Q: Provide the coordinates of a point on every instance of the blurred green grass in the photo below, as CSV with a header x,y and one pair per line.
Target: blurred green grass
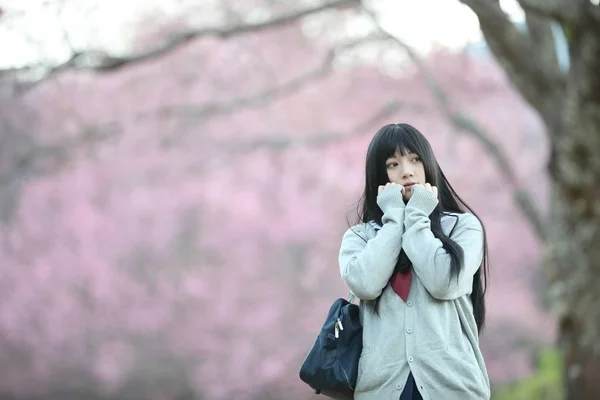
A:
x,y
546,383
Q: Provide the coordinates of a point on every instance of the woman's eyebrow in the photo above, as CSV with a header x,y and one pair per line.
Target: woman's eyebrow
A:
x,y
407,154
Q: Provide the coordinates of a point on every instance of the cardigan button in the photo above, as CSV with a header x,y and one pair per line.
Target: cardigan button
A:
x,y
399,386
409,303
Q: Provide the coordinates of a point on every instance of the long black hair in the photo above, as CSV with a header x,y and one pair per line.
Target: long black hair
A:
x,y
407,139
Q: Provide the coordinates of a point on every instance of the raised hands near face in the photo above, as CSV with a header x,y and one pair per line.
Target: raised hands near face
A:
x,y
387,185
408,190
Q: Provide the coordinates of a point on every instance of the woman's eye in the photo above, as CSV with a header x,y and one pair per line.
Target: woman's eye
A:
x,y
417,159
392,165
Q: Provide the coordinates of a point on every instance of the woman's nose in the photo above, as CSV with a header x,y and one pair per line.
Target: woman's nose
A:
x,y
407,172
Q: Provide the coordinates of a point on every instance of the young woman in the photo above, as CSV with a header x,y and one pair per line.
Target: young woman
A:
x,y
418,263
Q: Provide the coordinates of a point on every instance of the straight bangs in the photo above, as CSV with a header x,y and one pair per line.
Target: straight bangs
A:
x,y
395,138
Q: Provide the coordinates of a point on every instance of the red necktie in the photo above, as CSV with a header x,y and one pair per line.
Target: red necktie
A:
x,y
400,282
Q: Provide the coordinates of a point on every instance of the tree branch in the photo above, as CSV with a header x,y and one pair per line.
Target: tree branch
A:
x,y
518,55
262,97
280,142
102,61
564,11
44,159
543,43
209,110
464,123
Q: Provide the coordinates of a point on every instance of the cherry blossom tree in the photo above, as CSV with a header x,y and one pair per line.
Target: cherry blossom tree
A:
x,y
172,213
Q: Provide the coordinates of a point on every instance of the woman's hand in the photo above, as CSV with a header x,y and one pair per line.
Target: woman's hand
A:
x,y
407,192
431,189
390,196
382,187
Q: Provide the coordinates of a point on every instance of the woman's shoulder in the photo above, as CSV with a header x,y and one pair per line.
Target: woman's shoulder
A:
x,y
465,220
364,230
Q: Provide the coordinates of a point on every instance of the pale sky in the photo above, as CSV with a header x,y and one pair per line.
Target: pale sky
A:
x,y
451,24
33,30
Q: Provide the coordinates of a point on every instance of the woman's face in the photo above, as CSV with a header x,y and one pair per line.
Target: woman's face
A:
x,y
405,170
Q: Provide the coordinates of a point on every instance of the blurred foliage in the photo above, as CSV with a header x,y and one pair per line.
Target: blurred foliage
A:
x,y
544,384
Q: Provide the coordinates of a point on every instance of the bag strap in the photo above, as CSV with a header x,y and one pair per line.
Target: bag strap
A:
x,y
351,296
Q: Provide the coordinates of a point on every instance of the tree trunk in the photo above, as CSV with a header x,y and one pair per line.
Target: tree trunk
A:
x,y
574,229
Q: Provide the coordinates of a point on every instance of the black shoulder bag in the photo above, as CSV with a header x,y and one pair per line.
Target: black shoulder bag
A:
x,y
331,366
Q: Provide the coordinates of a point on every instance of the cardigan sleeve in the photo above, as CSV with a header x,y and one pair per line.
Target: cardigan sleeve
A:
x,y
431,262
366,264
